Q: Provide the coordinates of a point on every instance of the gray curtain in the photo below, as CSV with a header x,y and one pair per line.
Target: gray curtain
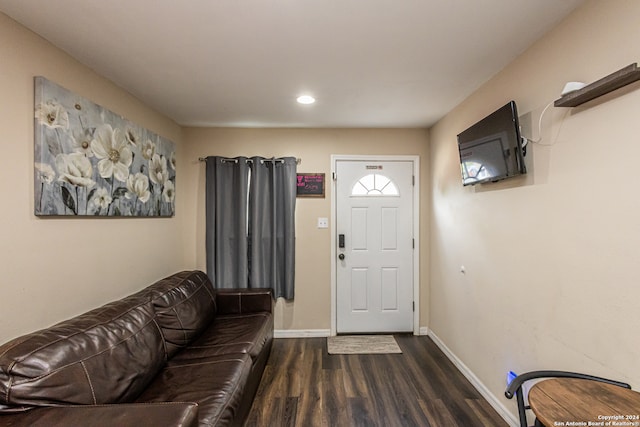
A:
x,y
250,223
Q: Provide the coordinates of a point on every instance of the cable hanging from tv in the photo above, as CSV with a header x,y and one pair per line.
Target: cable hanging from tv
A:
x,y
539,140
526,140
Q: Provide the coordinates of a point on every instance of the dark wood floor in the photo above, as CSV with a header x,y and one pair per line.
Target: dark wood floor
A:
x,y
304,386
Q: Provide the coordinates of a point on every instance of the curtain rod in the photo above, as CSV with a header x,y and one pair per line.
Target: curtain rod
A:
x,y
273,159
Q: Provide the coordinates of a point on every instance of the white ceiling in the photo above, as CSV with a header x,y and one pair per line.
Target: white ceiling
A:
x,y
369,63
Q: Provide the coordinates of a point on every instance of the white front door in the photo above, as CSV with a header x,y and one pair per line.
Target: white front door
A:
x,y
374,226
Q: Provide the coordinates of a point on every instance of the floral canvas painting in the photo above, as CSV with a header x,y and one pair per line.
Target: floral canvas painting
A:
x,y
90,161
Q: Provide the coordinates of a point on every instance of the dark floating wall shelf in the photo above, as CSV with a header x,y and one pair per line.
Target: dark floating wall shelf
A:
x,y
613,81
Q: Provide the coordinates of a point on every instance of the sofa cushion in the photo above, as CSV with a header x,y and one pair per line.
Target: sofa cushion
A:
x,y
244,300
244,333
107,355
184,304
216,384
174,414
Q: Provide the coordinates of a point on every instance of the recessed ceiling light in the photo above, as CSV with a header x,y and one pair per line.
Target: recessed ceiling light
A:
x,y
306,99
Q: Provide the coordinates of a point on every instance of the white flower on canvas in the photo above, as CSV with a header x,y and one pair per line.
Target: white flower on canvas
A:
x,y
75,169
102,199
169,192
81,142
158,169
45,172
172,160
52,115
138,186
148,149
132,136
111,147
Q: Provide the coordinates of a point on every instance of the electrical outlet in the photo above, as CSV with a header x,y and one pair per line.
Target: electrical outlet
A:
x,y
323,222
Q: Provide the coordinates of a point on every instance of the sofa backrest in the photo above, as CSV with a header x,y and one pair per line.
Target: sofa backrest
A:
x,y
107,355
184,304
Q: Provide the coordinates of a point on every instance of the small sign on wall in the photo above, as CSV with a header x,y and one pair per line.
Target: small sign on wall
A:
x,y
310,185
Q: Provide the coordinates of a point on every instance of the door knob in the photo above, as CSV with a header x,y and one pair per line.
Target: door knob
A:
x,y
341,257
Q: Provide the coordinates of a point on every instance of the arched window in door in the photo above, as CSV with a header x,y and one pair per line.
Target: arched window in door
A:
x,y
374,185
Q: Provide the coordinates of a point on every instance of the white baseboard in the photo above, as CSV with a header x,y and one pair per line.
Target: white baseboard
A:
x,y
475,381
301,333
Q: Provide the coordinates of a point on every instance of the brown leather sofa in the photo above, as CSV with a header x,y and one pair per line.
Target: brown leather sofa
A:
x,y
178,353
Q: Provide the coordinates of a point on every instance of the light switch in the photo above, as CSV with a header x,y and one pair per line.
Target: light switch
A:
x,y
323,222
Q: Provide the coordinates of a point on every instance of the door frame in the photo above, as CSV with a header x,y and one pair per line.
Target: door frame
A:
x,y
416,231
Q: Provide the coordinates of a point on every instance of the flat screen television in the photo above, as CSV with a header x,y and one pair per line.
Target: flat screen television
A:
x,y
492,149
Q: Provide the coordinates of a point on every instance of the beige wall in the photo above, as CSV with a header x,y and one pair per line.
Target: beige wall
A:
x,y
51,269
552,261
312,307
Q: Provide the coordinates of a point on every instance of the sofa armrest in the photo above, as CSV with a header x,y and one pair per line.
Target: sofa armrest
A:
x,y
121,414
243,300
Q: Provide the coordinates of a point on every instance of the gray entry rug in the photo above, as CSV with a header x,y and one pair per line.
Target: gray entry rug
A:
x,y
362,344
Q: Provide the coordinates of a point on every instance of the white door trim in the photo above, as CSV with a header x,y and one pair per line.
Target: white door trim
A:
x,y
416,232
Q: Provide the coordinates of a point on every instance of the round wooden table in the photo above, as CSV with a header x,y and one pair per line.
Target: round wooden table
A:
x,y
577,402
